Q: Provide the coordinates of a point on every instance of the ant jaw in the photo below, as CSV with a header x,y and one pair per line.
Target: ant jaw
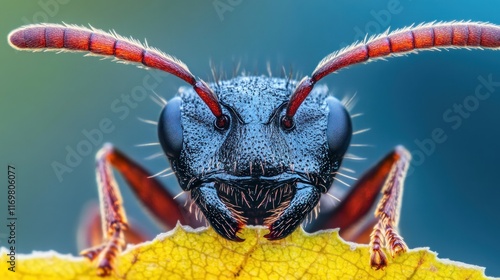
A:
x,y
221,218
304,200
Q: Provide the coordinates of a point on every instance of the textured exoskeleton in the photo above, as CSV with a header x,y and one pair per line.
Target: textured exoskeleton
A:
x,y
254,150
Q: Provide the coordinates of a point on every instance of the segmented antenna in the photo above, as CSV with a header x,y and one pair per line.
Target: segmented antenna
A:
x,y
399,42
72,38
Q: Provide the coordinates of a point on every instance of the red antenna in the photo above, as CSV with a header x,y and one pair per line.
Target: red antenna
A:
x,y
58,37
400,42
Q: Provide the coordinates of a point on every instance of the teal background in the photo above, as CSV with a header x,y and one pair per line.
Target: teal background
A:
x,y
451,201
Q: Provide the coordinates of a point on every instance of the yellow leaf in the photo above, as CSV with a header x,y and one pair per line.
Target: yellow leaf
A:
x,y
201,254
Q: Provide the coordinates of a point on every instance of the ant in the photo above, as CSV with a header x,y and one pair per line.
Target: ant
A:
x,y
255,150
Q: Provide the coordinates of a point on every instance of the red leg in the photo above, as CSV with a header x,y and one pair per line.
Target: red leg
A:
x,y
351,216
114,222
387,213
150,192
90,229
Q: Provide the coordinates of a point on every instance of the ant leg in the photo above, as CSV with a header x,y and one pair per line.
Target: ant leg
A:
x,y
387,213
90,232
114,221
387,176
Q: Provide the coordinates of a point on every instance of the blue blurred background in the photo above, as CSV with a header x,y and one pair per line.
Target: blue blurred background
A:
x,y
451,199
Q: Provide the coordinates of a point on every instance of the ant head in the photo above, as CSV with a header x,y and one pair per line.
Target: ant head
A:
x,y
254,141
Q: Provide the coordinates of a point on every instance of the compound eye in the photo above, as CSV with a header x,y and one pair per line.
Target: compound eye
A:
x,y
339,127
170,128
